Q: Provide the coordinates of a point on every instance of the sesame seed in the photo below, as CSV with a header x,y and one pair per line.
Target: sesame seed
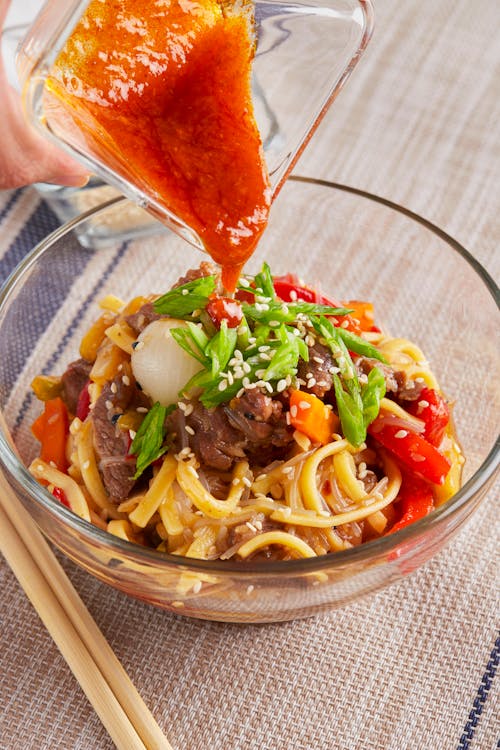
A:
x,y
185,292
240,393
183,453
304,405
311,382
142,410
197,587
250,589
293,411
222,385
108,404
264,348
401,434
322,383
125,380
246,367
344,324
281,385
189,430
235,482
251,527
247,482
114,388
417,457
293,295
423,404
309,340
265,357
274,323
319,360
258,525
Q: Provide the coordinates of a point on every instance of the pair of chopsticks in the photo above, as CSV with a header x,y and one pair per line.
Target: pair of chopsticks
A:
x,y
109,689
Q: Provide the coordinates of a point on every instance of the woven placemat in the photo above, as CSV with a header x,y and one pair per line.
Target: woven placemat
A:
x,y
413,666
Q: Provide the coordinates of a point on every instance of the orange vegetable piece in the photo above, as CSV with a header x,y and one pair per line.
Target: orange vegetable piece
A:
x,y
94,337
309,415
363,312
107,362
51,429
38,426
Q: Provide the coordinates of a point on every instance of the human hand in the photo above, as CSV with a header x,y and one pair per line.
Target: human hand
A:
x,y
25,156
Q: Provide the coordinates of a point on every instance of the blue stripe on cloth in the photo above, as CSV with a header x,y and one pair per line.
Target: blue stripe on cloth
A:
x,y
42,222
73,323
11,202
480,699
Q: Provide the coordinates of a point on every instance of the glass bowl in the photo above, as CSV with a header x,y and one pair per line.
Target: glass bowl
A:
x,y
296,43
425,287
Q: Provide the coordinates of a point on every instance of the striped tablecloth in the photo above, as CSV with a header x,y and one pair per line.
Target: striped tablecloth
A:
x,y
412,667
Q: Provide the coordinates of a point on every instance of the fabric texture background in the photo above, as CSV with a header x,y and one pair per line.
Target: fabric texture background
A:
x,y
412,667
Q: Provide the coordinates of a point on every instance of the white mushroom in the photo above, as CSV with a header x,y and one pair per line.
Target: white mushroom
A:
x,y
159,364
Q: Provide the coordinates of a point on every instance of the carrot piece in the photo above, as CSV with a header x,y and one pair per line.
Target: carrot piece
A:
x,y
38,426
54,434
93,338
363,312
309,415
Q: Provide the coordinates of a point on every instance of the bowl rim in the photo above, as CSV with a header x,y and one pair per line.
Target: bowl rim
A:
x,y
10,462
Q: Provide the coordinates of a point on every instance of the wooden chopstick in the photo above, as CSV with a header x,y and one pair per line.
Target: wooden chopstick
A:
x,y
88,654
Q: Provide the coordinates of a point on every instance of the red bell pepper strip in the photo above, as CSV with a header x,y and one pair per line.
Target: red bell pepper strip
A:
x,y
83,403
60,495
224,308
288,289
51,428
415,500
433,410
413,450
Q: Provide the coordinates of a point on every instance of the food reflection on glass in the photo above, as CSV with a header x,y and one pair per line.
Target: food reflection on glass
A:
x,y
273,425
162,93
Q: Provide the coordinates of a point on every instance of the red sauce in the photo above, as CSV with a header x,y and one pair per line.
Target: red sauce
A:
x,y
225,308
161,91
